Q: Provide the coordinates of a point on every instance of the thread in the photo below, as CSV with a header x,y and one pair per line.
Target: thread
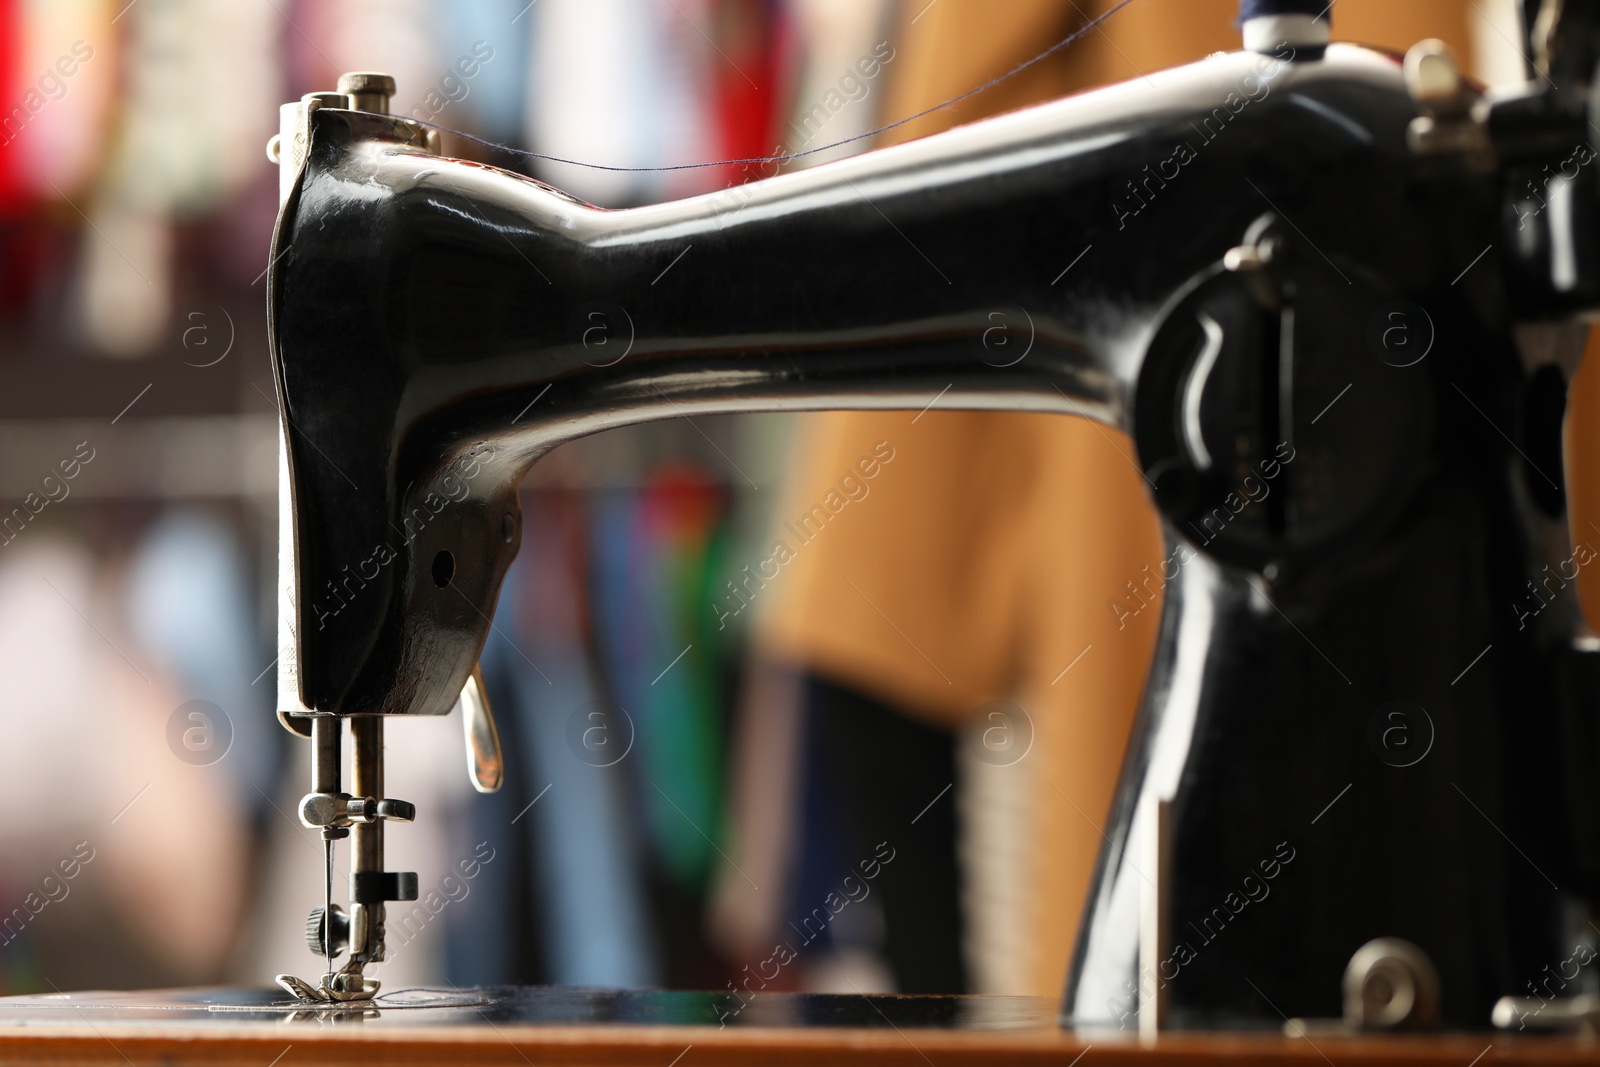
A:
x,y
788,156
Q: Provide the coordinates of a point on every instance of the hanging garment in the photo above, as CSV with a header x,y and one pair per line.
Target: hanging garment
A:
x,y
181,149
572,755
622,83
188,597
652,585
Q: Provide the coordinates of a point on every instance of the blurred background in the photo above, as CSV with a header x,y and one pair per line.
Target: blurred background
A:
x,y
879,763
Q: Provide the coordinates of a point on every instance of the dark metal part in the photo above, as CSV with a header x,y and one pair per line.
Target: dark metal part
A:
x,y
398,810
328,939
327,757
375,887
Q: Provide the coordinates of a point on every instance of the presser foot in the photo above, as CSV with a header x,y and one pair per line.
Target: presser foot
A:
x,y
345,987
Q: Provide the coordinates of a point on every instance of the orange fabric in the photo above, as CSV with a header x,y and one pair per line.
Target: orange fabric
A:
x,y
1582,465
983,560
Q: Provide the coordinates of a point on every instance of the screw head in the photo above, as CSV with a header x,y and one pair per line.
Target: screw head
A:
x,y
367,81
338,934
368,90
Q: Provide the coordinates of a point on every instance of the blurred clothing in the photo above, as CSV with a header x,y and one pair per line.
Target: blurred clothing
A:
x,y
1581,459
877,797
573,879
174,152
653,554
89,759
190,602
640,99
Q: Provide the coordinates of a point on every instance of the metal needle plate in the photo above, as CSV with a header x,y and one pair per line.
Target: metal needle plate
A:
x,y
511,1005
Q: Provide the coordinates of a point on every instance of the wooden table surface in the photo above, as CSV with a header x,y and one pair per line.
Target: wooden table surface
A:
x,y
550,1028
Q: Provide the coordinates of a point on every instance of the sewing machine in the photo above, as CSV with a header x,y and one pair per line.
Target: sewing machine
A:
x,y
1333,297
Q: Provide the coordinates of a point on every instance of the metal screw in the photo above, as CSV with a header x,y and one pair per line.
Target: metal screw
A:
x,y
369,90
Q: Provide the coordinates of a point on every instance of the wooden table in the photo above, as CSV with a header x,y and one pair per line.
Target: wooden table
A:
x,y
548,1028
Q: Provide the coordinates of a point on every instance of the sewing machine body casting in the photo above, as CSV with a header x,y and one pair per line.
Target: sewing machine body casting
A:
x,y
1353,521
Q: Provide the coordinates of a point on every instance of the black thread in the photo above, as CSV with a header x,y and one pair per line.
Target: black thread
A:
x,y
1013,72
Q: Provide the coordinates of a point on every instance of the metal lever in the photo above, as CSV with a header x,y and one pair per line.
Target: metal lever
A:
x,y
486,765
1580,1013
341,810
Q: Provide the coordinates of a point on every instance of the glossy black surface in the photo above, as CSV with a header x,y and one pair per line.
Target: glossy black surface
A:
x,y
487,1007
435,333
421,306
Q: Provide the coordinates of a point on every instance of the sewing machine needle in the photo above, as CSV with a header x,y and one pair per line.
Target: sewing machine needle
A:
x,y
327,903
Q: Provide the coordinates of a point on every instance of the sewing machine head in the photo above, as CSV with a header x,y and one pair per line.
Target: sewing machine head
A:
x,y
1327,293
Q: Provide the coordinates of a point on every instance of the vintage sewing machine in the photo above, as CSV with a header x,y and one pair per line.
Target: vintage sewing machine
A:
x,y
1334,297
